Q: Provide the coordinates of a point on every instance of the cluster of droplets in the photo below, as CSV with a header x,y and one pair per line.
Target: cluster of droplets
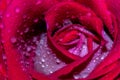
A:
x,y
97,58
83,50
25,48
80,51
45,59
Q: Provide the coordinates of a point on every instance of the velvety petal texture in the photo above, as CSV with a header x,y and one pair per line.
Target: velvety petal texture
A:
x,y
59,40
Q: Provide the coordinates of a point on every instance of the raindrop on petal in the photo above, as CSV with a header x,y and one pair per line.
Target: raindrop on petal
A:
x,y
17,10
36,20
13,39
43,60
7,15
43,65
38,2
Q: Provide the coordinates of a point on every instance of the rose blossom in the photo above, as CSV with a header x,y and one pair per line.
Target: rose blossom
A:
x,y
59,40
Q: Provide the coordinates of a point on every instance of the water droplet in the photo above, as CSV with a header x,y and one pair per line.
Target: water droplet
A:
x,y
67,22
36,20
3,41
57,61
84,76
1,26
7,15
21,33
39,62
56,24
24,16
28,49
88,69
1,16
27,54
26,30
43,60
23,69
21,62
76,76
44,56
13,39
42,66
88,14
17,10
67,12
97,58
51,72
72,16
48,53
38,2
47,65
4,57
102,58
94,60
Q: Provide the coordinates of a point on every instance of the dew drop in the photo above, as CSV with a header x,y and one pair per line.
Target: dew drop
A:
x,y
88,69
72,16
17,10
84,51
47,65
4,57
43,60
36,20
42,66
67,12
85,75
7,15
13,39
1,26
102,58
21,33
27,54
1,16
24,16
28,49
38,2
94,61
56,24
57,61
67,22
51,72
39,62
26,30
76,76
88,14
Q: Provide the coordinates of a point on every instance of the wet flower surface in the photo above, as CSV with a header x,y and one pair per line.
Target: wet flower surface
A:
x,y
59,40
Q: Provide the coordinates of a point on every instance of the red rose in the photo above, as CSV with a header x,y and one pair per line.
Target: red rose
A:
x,y
60,40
